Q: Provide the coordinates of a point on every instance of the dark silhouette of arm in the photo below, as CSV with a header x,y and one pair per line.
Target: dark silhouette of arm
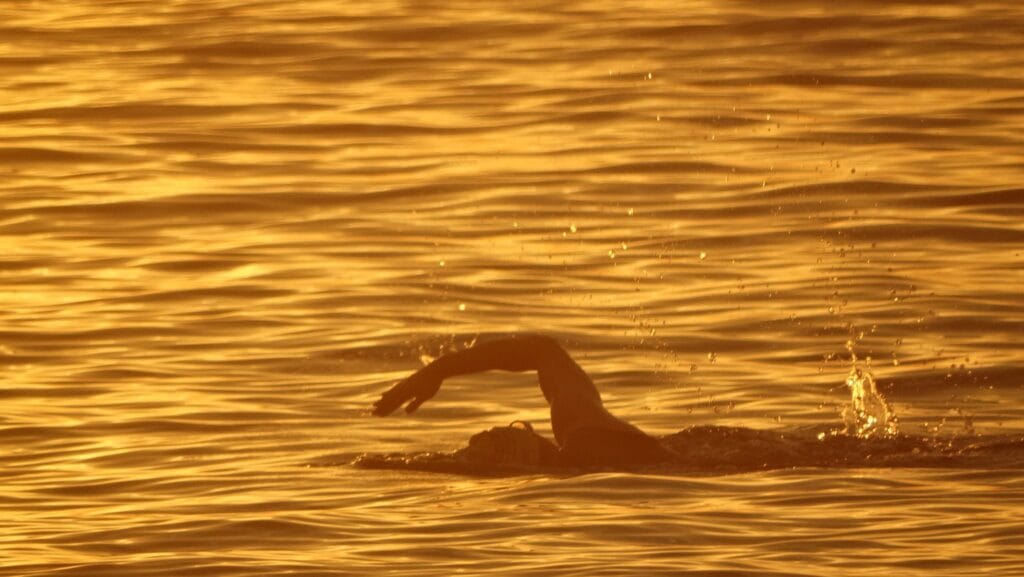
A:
x,y
560,377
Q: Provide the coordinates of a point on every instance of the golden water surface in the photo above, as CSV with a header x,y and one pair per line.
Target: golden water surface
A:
x,y
227,225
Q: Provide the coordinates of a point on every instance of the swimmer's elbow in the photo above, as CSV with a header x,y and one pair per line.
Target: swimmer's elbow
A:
x,y
528,351
538,341
541,350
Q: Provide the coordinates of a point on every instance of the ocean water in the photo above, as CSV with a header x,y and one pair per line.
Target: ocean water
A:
x,y
226,226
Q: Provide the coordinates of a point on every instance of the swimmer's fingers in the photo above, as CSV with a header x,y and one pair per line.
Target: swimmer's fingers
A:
x,y
415,404
393,398
424,387
386,404
415,390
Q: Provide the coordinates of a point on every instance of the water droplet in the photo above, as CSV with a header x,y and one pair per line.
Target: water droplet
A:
x,y
703,255
440,263
572,227
462,306
630,211
611,254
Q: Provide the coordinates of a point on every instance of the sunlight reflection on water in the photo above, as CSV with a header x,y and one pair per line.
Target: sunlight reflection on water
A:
x,y
226,226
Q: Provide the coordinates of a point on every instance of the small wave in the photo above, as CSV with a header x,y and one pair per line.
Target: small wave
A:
x,y
245,50
1001,377
29,155
904,81
121,112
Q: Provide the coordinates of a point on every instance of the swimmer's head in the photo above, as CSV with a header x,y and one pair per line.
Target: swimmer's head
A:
x,y
515,444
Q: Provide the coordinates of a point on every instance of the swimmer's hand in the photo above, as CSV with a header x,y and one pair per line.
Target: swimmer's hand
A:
x,y
416,390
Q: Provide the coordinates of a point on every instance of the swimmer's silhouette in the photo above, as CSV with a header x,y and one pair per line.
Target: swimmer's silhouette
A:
x,y
585,432
588,437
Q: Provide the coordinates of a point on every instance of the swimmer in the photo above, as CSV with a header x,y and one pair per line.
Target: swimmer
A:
x,y
586,434
588,437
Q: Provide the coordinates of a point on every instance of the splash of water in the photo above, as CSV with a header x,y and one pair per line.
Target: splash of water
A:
x,y
869,414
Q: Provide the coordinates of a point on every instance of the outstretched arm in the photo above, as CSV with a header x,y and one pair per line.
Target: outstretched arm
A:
x,y
560,377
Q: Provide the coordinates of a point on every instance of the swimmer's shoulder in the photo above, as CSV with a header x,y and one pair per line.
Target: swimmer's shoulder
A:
x,y
599,446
